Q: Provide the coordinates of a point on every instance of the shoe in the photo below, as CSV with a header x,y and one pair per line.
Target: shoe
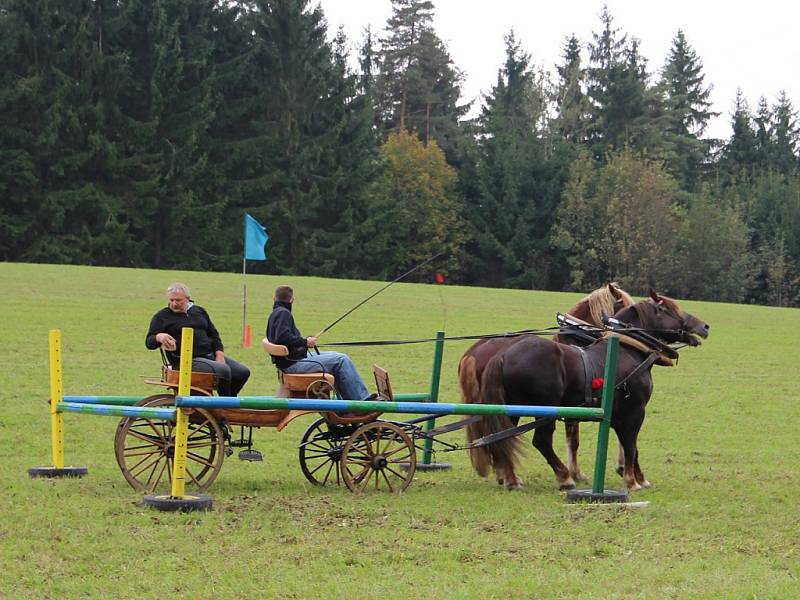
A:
x,y
371,397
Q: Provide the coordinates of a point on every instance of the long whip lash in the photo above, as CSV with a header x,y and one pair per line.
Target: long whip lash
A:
x,y
422,264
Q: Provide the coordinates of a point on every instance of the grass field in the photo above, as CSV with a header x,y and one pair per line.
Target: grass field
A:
x,y
719,444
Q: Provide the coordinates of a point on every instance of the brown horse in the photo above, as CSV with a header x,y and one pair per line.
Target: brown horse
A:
x,y
537,371
607,299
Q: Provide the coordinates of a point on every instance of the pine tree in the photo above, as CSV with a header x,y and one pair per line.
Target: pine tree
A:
x,y
617,88
572,105
419,85
295,138
61,135
687,104
785,136
740,153
519,187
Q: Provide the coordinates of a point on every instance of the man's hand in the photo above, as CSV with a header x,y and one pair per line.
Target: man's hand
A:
x,y
167,341
311,342
219,356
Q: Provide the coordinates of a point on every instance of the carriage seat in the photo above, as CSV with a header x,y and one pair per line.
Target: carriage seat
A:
x,y
299,385
202,383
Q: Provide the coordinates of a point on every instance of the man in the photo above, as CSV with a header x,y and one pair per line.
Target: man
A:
x,y
208,355
282,330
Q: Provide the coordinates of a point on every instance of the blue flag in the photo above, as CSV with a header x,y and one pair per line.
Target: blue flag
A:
x,y
255,237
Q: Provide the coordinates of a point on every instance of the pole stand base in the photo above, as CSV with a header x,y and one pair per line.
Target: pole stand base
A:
x,y
187,503
53,472
604,497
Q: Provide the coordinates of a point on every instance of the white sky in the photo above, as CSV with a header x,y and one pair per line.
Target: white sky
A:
x,y
754,46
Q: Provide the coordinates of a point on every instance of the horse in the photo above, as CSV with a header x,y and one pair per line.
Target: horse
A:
x,y
607,299
537,371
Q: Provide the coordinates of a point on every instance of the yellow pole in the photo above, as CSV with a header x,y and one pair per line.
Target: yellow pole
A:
x,y
182,423
56,396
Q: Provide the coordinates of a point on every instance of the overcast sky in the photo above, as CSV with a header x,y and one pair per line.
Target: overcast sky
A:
x,y
750,45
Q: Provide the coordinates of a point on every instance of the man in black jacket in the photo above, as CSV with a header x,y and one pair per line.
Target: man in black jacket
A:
x,y
208,354
282,330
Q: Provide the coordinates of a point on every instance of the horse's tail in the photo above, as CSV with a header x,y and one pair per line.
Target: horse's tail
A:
x,y
488,391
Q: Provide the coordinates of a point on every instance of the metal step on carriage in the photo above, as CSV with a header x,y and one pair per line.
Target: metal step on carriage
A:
x,y
362,450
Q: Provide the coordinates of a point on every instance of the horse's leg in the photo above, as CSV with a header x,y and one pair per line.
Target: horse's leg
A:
x,y
543,442
573,433
627,429
637,470
620,460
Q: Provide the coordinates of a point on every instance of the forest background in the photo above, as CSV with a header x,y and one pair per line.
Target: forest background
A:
x,y
138,132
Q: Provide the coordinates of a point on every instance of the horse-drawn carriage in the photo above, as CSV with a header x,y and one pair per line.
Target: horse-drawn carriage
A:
x,y
361,450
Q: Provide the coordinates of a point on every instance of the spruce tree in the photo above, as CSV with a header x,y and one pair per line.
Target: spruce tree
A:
x,y
686,99
785,136
572,105
740,154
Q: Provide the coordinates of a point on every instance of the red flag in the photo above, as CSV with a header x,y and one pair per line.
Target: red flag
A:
x,y
439,278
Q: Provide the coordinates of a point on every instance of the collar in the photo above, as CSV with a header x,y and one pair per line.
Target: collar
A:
x,y
281,304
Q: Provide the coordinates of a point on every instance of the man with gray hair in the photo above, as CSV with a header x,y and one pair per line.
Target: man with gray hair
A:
x,y
208,354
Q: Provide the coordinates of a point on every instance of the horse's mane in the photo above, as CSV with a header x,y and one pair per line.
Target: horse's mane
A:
x,y
598,302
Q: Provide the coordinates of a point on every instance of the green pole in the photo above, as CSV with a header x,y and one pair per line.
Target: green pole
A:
x,y
434,396
607,404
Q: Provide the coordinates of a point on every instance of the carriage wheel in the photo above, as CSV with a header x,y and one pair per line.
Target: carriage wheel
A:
x,y
378,456
320,453
319,389
145,448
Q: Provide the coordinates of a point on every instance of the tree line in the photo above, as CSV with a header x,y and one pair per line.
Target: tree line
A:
x,y
138,132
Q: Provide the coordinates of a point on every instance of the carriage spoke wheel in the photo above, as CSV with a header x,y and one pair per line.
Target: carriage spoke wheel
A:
x,y
319,389
378,456
145,449
320,453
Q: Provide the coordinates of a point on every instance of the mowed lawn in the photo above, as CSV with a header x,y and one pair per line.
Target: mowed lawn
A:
x,y
720,445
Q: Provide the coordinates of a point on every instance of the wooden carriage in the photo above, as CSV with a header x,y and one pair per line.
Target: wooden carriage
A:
x,y
336,447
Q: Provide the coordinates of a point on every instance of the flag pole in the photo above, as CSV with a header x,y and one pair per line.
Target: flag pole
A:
x,y
244,280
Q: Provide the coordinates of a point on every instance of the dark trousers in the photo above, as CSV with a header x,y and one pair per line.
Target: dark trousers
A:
x,y
232,375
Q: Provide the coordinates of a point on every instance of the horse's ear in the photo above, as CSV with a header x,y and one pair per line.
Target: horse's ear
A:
x,y
612,287
654,295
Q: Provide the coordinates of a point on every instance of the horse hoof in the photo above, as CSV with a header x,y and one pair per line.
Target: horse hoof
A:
x,y
635,487
499,482
645,484
580,477
566,486
514,486
620,471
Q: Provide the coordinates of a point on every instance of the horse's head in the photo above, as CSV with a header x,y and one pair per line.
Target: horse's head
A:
x,y
663,318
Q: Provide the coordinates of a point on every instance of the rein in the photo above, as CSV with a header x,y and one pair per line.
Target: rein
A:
x,y
510,334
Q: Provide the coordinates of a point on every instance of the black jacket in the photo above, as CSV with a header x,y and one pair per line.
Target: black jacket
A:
x,y
282,330
206,337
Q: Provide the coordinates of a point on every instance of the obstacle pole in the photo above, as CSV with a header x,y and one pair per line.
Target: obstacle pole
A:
x,y
178,500
427,453
56,417
598,493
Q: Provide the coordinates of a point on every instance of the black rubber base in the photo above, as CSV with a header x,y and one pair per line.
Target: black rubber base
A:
x,y
604,497
187,503
434,466
58,471
251,456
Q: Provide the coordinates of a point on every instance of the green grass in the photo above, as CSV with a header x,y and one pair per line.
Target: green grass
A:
x,y
719,444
